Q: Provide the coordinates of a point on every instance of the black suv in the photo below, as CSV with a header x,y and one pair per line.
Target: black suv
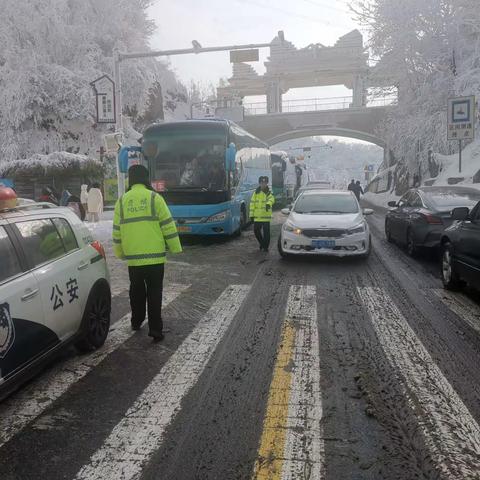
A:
x,y
461,249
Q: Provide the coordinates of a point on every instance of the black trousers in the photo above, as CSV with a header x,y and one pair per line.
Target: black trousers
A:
x,y
263,238
146,287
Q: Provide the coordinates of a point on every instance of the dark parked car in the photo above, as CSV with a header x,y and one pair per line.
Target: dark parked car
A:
x,y
461,249
422,214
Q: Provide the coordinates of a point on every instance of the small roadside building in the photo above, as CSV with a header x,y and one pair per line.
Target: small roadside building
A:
x,y
61,170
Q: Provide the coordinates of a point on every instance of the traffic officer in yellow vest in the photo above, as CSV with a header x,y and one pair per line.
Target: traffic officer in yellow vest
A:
x,y
261,206
143,229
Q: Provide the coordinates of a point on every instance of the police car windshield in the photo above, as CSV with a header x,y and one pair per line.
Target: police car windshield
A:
x,y
188,157
326,204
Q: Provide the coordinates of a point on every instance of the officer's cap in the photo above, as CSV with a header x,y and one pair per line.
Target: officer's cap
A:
x,y
263,179
137,174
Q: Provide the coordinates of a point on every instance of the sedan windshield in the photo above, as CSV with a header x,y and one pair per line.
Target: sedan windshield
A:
x,y
326,204
449,198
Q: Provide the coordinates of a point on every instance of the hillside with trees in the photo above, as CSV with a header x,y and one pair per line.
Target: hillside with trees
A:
x,y
432,48
52,50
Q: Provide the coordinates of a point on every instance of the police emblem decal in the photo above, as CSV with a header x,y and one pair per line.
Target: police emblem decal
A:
x,y
7,329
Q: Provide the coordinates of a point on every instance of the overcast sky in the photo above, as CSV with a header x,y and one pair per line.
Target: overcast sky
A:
x,y
230,22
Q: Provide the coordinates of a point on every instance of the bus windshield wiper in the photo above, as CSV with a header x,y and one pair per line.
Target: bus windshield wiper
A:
x,y
188,188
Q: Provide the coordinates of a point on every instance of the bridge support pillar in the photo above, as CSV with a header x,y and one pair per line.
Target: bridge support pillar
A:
x,y
359,92
274,97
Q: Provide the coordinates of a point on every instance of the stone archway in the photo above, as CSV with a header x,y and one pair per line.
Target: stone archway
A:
x,y
319,131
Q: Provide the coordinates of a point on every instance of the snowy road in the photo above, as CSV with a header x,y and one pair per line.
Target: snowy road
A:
x,y
304,369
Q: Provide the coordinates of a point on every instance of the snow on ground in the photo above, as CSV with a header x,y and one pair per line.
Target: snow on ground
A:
x,y
470,166
102,231
379,199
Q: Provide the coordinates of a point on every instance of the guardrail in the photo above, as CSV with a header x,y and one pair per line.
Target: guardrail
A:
x,y
317,105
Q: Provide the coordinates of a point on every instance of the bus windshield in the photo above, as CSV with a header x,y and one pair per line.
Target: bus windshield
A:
x,y
187,157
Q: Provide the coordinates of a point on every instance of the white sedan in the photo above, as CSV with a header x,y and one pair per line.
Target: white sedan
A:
x,y
325,222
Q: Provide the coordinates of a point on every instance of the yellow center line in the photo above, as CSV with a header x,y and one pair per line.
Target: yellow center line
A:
x,y
269,463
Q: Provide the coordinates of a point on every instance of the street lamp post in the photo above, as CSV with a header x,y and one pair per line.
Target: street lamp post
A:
x,y
118,117
119,57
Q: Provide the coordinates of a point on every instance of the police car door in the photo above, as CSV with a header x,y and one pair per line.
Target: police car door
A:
x,y
55,269
22,334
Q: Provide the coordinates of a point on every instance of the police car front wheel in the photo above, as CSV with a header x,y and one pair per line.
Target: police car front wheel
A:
x,y
96,320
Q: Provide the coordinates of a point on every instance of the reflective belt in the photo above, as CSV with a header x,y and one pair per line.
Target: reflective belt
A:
x,y
166,222
172,235
145,256
152,205
138,219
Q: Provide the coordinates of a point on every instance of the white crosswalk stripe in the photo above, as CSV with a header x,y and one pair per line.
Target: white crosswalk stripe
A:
x,y
304,447
449,430
140,433
460,304
25,406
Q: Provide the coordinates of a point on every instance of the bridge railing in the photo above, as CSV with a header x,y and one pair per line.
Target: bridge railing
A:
x,y
316,104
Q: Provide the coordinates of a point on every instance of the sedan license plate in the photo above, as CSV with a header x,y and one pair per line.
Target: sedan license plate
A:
x,y
323,243
181,229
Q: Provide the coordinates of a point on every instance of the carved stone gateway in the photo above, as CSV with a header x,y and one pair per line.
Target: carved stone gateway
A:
x,y
345,63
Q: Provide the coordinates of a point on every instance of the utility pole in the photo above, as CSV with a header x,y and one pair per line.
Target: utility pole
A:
x,y
118,117
119,57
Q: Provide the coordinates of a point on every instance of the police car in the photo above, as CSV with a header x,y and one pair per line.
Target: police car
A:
x,y
54,287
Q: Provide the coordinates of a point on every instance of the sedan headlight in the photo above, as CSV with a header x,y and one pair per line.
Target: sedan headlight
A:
x,y
290,227
219,217
360,228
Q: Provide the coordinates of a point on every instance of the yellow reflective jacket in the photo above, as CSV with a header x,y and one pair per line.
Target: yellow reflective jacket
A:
x,y
143,228
258,206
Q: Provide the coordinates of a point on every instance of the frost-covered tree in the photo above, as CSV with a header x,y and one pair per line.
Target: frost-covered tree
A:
x,y
51,51
432,49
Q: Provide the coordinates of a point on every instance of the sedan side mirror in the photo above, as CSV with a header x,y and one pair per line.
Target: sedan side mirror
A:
x,y
460,213
393,203
286,211
367,211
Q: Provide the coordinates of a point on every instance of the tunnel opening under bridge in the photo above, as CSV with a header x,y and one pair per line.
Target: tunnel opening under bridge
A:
x,y
333,155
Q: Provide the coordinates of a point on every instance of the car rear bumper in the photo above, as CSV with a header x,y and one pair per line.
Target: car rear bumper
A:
x,y
349,246
430,237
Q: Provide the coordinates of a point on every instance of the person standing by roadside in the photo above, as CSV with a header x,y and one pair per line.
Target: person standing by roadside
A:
x,y
84,197
261,206
357,189
95,203
143,229
351,185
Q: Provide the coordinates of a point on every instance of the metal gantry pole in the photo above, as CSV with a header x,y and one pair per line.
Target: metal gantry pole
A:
x,y
460,156
118,117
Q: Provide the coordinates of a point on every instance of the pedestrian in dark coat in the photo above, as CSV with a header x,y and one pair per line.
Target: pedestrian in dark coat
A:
x,y
357,190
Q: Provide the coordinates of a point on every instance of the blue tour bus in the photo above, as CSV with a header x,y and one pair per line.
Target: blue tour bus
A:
x,y
207,171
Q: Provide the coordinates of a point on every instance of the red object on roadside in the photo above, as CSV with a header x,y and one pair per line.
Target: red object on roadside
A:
x,y
8,198
99,248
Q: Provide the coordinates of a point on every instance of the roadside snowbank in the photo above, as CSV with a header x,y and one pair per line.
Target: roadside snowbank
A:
x,y
379,199
53,160
470,167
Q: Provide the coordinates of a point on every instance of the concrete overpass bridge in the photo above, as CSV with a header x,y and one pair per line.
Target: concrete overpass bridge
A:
x,y
313,117
277,120
360,123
